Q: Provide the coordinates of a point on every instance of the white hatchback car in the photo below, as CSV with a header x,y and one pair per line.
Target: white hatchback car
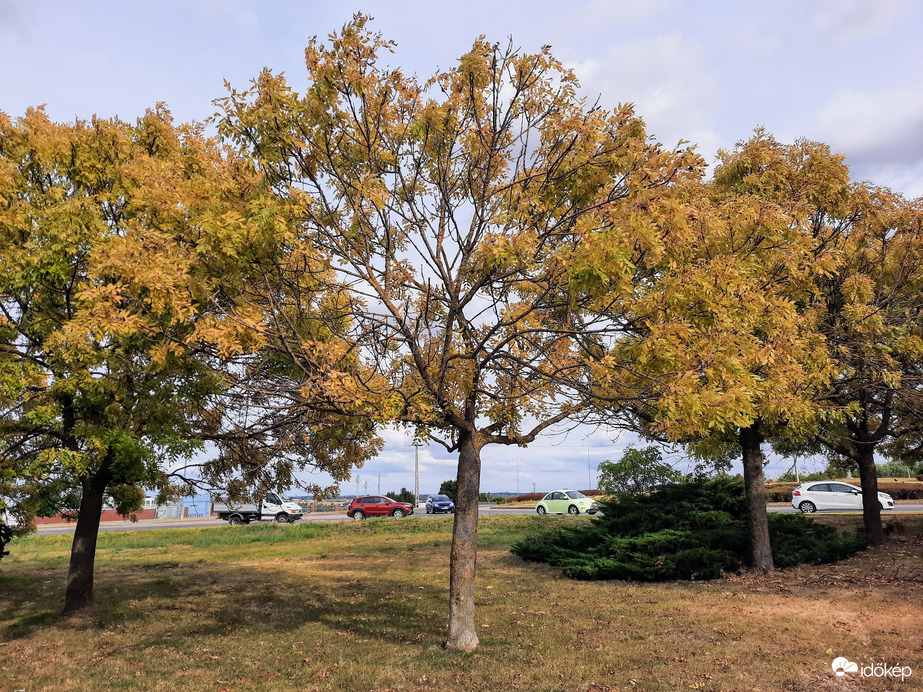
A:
x,y
810,497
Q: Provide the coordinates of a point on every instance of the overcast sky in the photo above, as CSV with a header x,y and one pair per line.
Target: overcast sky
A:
x,y
845,72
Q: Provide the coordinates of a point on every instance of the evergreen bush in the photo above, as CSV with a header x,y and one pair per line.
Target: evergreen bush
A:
x,y
691,530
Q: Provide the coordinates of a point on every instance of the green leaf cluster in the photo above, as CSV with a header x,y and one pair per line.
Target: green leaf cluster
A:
x,y
403,496
638,471
450,489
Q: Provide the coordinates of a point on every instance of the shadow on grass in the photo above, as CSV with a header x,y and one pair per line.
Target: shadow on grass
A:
x,y
362,594
215,601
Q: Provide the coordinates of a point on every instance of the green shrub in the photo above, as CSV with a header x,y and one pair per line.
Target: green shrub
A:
x,y
691,530
638,471
450,488
799,539
404,496
893,469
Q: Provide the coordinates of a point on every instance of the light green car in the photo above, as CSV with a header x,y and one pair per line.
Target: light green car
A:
x,y
566,502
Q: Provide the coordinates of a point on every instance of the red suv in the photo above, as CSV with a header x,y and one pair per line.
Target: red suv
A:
x,y
377,506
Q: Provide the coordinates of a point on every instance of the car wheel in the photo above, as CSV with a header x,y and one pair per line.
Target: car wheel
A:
x,y
281,518
573,511
358,515
807,507
398,514
235,521
540,509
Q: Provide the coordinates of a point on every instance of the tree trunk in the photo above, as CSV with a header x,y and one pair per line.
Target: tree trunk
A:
x,y
760,553
462,632
871,508
79,593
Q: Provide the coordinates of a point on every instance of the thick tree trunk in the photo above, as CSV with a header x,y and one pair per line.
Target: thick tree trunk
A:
x,y
79,593
871,508
760,553
462,631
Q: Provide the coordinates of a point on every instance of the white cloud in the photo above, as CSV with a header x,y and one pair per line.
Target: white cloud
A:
x,y
880,132
906,179
667,79
752,40
863,122
239,11
596,13
14,16
843,21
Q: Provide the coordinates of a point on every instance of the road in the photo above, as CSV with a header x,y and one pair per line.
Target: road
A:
x,y
484,509
903,507
200,522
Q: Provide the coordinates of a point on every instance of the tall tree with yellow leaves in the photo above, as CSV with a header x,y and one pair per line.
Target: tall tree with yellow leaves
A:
x,y
873,326
118,242
730,336
481,228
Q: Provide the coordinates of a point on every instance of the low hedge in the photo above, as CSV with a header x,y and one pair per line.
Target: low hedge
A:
x,y
691,530
902,491
780,492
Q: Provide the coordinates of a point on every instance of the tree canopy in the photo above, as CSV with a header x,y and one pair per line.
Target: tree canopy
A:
x,y
480,227
873,327
731,338
639,471
118,245
478,257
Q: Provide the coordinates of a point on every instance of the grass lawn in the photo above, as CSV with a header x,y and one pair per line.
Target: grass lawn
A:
x,y
363,606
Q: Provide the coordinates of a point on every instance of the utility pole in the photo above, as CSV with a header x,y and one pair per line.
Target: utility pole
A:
x,y
589,479
416,473
517,476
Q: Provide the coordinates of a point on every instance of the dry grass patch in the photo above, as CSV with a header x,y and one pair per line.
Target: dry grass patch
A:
x,y
363,607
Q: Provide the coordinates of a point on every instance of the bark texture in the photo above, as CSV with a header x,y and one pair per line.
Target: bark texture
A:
x,y
871,507
760,553
79,593
463,559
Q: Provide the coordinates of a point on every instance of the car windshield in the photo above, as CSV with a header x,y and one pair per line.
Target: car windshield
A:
x,y
574,494
441,498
